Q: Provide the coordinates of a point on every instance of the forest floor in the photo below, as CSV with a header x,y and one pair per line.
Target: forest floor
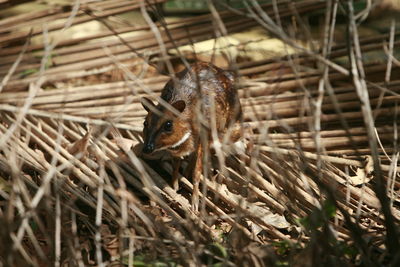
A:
x,y
316,184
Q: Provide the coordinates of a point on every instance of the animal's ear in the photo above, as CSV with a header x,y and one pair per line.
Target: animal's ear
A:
x,y
179,105
147,103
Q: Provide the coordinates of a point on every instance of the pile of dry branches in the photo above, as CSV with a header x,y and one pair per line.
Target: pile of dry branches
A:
x,y
319,186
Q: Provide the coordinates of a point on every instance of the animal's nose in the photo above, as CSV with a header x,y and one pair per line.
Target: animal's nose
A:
x,y
148,148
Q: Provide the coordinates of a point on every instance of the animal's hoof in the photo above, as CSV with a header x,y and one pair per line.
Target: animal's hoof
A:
x,y
175,185
195,208
195,203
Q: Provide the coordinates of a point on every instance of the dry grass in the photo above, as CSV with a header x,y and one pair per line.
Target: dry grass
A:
x,y
317,184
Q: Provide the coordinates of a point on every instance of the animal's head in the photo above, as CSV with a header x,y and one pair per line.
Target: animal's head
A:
x,y
164,128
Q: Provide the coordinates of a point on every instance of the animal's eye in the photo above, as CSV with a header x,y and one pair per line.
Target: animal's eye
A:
x,y
168,126
145,123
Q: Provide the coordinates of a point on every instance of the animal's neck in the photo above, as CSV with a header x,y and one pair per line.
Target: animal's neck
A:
x,y
182,140
183,147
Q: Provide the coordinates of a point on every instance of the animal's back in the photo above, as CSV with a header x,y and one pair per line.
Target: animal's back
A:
x,y
216,86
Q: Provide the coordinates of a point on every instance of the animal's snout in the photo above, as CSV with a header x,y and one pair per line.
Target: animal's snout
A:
x,y
148,148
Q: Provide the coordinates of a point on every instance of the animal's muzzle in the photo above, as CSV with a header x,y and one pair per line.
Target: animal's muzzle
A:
x,y
148,148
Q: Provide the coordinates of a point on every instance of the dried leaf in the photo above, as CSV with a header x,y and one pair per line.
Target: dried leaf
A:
x,y
123,143
40,155
112,247
363,175
254,228
97,154
80,146
268,217
4,185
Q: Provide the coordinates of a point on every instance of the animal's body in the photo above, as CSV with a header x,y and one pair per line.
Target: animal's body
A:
x,y
174,125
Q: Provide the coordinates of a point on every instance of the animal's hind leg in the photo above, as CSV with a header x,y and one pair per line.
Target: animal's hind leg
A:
x,y
239,131
235,132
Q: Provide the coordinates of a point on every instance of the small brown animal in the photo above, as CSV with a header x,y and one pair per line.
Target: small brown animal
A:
x,y
174,123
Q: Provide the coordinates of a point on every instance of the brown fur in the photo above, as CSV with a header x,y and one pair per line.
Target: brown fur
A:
x,y
194,89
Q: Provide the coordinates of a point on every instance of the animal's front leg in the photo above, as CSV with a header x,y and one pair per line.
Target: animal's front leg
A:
x,y
196,178
176,164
